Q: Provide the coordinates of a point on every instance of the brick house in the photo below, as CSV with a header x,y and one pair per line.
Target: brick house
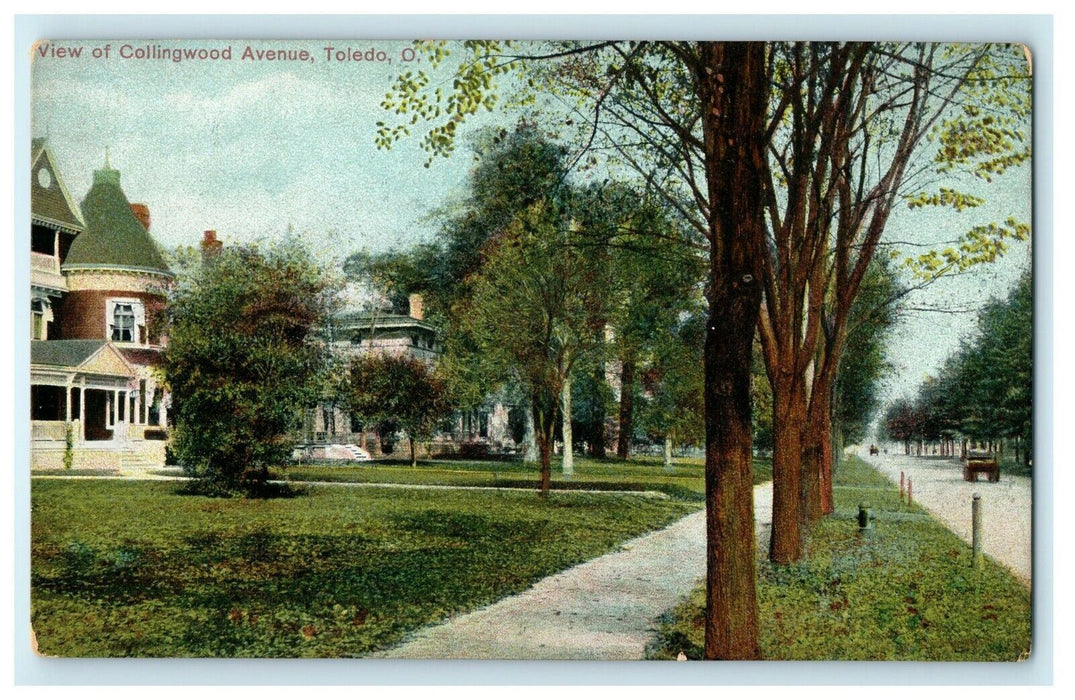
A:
x,y
98,286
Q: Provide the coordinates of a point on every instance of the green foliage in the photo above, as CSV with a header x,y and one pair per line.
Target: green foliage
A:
x,y
68,446
985,390
538,305
908,592
243,360
399,390
342,572
863,363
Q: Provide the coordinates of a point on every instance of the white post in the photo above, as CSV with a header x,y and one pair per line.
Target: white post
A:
x,y
82,411
569,451
531,454
67,401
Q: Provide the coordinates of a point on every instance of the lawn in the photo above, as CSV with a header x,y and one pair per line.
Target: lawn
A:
x,y
685,481
907,592
133,569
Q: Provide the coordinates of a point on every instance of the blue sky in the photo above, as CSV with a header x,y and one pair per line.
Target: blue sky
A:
x,y
253,149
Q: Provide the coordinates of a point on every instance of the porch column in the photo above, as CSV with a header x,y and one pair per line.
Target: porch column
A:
x,y
115,408
82,411
67,401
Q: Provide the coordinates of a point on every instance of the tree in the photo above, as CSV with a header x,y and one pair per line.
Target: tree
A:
x,y
863,363
727,84
829,152
400,390
535,308
243,360
675,385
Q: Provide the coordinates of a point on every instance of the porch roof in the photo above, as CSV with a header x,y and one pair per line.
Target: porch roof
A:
x,y
85,356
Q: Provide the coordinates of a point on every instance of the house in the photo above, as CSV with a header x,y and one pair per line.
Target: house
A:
x,y
353,333
98,288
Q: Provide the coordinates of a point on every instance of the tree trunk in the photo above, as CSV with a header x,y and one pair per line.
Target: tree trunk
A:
x,y
544,418
414,455
627,407
668,453
789,415
568,466
733,89
597,447
530,451
817,456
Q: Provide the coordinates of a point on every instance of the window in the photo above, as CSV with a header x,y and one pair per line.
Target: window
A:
x,y
37,319
123,323
126,321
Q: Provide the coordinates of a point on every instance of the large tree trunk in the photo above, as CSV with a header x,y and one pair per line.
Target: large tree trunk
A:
x,y
789,416
414,455
733,88
568,466
627,407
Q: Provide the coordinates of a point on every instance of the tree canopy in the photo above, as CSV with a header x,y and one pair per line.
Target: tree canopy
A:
x,y
243,360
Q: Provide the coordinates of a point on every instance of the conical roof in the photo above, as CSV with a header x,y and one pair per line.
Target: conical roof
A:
x,y
114,238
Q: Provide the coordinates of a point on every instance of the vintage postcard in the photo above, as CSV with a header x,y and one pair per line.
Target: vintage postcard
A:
x,y
531,349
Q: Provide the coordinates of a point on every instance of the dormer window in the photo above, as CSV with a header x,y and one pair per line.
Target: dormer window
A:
x,y
126,321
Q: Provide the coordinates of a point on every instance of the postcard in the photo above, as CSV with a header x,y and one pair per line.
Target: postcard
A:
x,y
596,350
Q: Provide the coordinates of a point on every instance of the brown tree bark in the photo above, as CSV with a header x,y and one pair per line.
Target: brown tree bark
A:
x,y
732,83
627,407
544,414
789,416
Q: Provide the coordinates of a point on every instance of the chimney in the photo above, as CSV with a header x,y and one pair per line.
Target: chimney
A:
x,y
141,212
210,245
417,311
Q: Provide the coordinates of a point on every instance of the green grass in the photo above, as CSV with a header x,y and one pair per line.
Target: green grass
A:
x,y
908,592
132,569
685,481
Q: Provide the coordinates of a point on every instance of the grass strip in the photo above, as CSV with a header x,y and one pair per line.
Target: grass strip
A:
x,y
684,481
906,592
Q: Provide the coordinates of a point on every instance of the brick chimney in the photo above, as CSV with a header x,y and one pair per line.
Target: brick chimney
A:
x,y
210,245
417,310
141,212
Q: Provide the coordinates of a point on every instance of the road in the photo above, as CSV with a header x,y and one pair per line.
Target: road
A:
x,y
938,486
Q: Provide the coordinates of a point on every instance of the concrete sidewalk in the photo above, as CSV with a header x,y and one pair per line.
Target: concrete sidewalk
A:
x,y
606,608
940,489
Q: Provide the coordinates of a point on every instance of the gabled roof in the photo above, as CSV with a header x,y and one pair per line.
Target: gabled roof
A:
x,y
89,356
51,205
114,238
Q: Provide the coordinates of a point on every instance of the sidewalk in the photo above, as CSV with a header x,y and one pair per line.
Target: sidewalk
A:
x,y
606,608
940,489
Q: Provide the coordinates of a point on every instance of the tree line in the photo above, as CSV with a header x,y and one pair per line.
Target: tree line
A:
x,y
983,394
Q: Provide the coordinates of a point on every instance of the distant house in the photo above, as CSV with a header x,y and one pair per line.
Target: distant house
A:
x,y
354,333
98,287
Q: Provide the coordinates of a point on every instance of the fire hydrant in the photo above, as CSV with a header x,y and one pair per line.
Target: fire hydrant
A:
x,y
866,518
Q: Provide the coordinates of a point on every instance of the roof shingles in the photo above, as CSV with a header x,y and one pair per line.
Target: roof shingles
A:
x,y
114,238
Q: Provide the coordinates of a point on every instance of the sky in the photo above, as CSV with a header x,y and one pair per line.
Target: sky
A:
x,y
257,148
